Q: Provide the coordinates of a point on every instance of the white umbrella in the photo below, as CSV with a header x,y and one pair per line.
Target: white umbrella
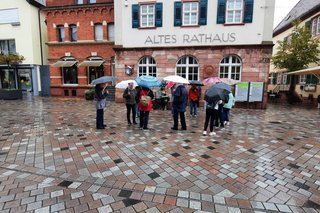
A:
x,y
124,84
176,79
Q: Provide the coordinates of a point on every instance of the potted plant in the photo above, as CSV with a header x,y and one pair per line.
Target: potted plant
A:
x,y
10,94
89,94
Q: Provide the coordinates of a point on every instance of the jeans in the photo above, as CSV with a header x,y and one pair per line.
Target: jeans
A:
x,y
144,118
226,113
193,107
131,107
210,116
182,120
137,110
99,119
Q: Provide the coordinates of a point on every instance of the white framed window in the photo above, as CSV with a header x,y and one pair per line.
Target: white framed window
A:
x,y
279,78
230,67
314,27
234,11
147,66
284,79
79,1
302,79
147,15
188,67
92,1
110,31
190,13
98,32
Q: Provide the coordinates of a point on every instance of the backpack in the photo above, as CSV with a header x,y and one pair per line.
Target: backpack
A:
x,y
145,100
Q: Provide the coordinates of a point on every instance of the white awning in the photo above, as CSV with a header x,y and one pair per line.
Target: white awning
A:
x,y
91,63
64,63
308,71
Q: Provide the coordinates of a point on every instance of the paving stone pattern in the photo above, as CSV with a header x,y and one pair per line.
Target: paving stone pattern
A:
x,y
52,159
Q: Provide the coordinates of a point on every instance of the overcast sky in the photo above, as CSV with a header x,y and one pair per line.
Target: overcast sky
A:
x,y
283,7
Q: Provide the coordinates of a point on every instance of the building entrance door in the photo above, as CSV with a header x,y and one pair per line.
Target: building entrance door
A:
x,y
25,79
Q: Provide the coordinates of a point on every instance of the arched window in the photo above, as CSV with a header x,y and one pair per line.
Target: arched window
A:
x,y
188,67
230,67
147,66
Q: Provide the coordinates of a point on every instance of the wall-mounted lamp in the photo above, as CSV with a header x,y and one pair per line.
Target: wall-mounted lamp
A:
x,y
128,70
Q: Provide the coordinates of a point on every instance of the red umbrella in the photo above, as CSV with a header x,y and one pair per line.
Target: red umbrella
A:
x,y
169,85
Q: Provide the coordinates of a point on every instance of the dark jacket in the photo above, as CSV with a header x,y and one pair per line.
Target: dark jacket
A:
x,y
129,98
180,98
100,97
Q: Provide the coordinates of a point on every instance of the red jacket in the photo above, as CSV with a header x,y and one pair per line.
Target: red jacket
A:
x,y
193,94
149,93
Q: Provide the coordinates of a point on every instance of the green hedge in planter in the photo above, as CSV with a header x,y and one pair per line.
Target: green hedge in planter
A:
x,y
89,94
10,94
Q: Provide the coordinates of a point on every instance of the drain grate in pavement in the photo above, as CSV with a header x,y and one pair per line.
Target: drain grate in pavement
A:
x,y
130,202
295,166
302,185
64,148
153,175
65,183
311,204
118,160
125,193
175,154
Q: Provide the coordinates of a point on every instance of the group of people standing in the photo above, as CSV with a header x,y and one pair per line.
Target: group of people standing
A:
x,y
140,99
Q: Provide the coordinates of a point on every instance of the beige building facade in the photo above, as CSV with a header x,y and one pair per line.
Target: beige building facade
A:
x,y
23,32
194,39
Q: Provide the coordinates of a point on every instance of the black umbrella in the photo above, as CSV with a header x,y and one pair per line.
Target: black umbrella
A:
x,y
214,94
197,83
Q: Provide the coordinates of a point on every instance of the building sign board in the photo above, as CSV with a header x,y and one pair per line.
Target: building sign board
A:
x,y
201,38
241,91
256,91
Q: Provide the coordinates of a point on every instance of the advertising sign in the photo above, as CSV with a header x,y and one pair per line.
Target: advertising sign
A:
x,y
241,93
256,91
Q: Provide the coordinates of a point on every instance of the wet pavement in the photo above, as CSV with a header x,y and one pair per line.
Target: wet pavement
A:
x,y
52,159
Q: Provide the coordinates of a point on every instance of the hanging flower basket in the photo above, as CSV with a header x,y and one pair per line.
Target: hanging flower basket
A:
x,y
11,59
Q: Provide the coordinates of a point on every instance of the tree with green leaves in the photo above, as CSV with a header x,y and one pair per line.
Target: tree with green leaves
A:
x,y
296,53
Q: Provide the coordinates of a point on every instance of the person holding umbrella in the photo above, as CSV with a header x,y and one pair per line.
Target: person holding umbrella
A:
x,y
144,100
100,97
129,95
193,97
179,103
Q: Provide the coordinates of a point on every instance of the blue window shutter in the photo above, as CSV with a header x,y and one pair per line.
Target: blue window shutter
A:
x,y
203,12
158,15
135,16
177,13
221,13
248,11
307,25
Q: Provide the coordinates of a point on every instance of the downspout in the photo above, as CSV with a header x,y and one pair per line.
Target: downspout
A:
x,y
40,34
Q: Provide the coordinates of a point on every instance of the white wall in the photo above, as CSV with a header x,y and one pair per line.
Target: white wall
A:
x,y
26,35
251,33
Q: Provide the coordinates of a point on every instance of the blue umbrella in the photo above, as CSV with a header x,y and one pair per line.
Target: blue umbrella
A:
x,y
222,86
148,81
103,79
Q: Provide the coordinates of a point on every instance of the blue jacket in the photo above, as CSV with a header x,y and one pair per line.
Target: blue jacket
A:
x,y
180,98
231,101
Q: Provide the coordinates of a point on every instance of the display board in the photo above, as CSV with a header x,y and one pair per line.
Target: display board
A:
x,y
256,91
241,92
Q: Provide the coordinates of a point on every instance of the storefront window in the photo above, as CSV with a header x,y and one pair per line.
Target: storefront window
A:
x,y
230,67
70,75
147,66
25,79
95,72
7,77
188,67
